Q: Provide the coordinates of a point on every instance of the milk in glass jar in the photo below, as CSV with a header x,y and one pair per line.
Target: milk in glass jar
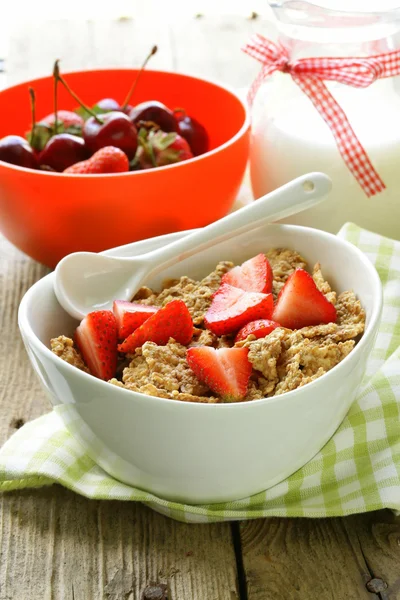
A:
x,y
289,135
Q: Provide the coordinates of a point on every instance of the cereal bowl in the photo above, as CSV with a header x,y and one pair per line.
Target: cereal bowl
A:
x,y
198,453
48,215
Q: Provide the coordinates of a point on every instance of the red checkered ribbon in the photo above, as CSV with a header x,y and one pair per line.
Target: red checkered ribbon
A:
x,y
309,74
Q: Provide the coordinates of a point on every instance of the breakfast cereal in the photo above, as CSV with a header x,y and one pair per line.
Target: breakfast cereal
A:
x,y
285,359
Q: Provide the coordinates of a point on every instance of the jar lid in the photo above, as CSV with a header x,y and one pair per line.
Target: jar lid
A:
x,y
339,21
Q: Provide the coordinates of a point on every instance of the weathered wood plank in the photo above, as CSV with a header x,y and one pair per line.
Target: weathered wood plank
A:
x,y
328,559
20,393
53,542
379,538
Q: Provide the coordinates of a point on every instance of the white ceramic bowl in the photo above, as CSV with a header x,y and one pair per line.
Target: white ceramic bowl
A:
x,y
206,452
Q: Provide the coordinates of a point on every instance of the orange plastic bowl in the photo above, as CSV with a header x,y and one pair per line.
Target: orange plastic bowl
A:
x,y
48,215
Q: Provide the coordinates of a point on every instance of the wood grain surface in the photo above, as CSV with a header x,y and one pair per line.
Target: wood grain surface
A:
x,y
55,545
327,559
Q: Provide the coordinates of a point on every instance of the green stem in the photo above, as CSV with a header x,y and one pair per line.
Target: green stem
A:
x,y
61,79
33,112
134,84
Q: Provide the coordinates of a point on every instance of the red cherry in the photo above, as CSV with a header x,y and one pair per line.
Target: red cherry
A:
x,y
156,112
62,151
115,129
15,150
108,104
193,132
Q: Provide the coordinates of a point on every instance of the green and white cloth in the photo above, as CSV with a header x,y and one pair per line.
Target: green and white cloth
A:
x,y
357,471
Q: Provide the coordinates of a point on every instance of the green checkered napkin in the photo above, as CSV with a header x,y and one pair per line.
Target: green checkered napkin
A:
x,y
357,471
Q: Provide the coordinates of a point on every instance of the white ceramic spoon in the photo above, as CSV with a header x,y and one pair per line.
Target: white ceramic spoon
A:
x,y
86,281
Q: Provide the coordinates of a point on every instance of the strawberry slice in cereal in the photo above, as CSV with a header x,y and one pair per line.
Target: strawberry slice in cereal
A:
x,y
171,321
130,315
96,338
254,275
301,304
232,308
259,329
226,371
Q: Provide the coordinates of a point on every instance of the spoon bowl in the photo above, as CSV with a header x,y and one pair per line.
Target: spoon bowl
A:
x,y
86,281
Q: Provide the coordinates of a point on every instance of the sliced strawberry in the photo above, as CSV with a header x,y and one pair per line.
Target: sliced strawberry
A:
x,y
226,371
173,320
300,303
254,275
232,308
259,329
96,338
130,315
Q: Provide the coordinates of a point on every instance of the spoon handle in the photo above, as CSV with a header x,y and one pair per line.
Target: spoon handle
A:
x,y
297,195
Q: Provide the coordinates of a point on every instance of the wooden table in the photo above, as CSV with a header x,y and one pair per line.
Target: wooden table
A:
x,y
58,546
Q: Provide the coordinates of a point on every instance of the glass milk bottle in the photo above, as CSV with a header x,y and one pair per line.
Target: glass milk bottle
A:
x,y
290,138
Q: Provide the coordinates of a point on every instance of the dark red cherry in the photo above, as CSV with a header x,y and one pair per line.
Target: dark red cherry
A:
x,y
116,129
108,104
62,151
193,132
15,150
155,112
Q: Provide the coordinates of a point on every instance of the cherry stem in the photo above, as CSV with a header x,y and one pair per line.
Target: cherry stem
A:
x,y
134,84
33,112
60,78
56,72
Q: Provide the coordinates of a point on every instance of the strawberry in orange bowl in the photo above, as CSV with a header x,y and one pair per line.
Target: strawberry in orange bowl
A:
x,y
105,160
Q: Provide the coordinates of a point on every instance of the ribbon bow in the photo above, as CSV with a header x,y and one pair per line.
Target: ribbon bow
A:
x,y
309,74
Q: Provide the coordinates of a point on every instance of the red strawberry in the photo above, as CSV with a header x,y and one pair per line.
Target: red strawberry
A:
x,y
173,320
157,149
66,117
130,315
105,160
226,371
259,329
254,275
96,338
232,308
300,303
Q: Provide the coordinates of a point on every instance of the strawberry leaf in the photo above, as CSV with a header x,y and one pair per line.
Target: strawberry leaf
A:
x,y
73,130
162,141
142,136
134,165
82,112
41,135
170,156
